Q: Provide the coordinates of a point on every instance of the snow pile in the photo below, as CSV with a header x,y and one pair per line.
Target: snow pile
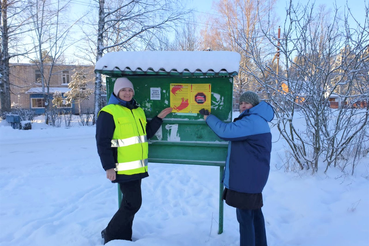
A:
x,y
53,191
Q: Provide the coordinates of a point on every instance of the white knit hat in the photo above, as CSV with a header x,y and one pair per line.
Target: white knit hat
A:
x,y
121,83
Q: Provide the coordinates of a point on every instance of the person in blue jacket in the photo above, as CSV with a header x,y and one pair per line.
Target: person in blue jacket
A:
x,y
121,137
247,165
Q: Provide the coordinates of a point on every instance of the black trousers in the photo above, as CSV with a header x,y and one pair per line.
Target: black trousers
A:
x,y
120,226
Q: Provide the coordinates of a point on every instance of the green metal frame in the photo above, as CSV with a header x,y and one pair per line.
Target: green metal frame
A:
x,y
199,142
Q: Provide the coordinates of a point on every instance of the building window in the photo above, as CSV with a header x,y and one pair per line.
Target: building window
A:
x,y
37,103
65,77
38,76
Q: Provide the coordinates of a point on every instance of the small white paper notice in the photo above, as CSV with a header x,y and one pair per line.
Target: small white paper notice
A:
x,y
155,93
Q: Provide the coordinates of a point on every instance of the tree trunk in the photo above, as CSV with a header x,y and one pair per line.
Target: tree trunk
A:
x,y
5,101
100,46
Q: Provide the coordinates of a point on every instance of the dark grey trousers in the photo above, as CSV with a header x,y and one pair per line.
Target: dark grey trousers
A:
x,y
252,227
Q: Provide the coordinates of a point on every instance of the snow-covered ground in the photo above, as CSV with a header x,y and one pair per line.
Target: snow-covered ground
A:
x,y
53,191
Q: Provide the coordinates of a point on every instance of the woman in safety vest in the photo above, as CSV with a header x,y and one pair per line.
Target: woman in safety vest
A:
x,y
121,136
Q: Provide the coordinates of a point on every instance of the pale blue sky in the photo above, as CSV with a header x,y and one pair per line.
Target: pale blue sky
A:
x,y
204,7
357,6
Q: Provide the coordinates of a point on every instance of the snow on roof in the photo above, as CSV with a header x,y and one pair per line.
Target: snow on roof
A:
x,y
169,61
51,90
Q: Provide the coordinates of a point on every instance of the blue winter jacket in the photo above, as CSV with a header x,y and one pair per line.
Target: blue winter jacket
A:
x,y
248,160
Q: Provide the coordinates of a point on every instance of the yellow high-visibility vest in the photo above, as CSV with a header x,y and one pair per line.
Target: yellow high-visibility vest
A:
x,y
129,138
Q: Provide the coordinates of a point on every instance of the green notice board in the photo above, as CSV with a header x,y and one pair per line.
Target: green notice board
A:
x,y
184,137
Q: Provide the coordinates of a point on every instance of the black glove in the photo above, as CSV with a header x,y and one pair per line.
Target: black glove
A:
x,y
204,111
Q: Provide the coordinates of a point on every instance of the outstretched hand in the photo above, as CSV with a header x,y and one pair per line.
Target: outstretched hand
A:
x,y
204,112
164,112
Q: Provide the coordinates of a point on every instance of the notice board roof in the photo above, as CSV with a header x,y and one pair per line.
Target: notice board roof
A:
x,y
173,63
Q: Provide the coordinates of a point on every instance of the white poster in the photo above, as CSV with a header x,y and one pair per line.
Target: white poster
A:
x,y
155,93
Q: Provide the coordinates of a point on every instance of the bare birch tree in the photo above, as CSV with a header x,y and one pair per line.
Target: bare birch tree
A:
x,y
132,25
12,28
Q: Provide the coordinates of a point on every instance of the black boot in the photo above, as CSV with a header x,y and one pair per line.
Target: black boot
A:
x,y
104,236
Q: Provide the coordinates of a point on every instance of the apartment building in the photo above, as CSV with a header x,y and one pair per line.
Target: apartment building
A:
x,y
28,90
